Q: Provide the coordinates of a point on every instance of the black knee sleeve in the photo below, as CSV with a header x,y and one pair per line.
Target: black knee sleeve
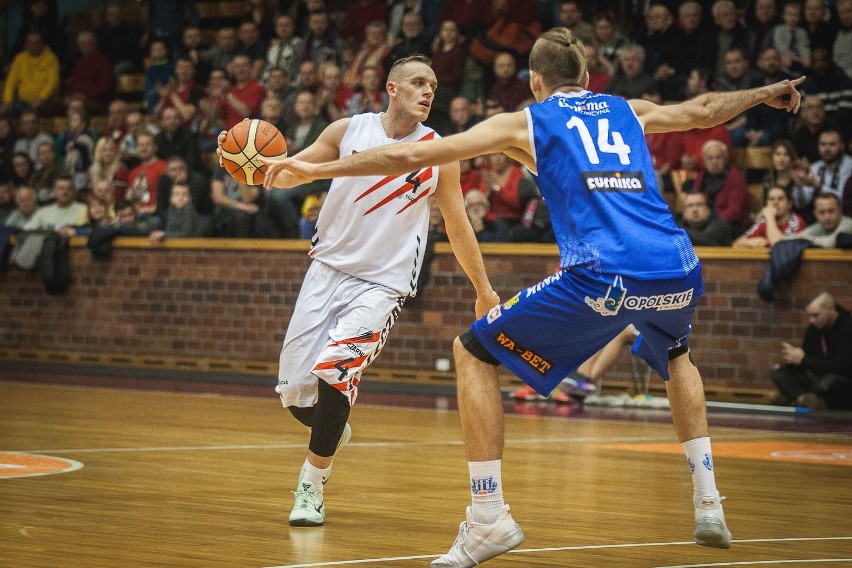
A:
x,y
303,415
472,344
330,415
676,352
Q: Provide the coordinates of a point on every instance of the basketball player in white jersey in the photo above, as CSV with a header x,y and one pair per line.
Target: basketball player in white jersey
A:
x,y
367,252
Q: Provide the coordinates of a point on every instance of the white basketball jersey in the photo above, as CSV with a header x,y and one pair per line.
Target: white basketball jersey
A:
x,y
374,227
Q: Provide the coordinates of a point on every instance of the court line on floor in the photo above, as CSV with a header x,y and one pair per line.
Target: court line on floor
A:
x,y
756,562
566,549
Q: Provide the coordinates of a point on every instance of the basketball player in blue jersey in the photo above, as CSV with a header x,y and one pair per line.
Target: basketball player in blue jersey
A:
x,y
623,261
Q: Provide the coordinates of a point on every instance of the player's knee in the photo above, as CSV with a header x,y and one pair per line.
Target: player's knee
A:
x,y
305,415
467,346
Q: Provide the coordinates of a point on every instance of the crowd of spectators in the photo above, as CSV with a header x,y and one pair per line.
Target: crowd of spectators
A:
x,y
302,64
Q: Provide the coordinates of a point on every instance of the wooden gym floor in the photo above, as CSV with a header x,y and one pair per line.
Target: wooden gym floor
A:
x,y
203,480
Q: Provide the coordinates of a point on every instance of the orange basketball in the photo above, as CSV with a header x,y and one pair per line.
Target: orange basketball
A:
x,y
245,143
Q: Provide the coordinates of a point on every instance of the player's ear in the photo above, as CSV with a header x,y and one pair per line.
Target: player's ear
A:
x,y
585,81
390,87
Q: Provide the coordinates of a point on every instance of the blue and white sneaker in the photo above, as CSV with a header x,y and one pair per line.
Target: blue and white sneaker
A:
x,y
577,385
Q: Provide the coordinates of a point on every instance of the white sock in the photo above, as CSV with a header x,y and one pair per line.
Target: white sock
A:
x,y
486,490
313,475
700,460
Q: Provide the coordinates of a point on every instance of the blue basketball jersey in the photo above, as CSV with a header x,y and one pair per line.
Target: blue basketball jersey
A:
x,y
597,179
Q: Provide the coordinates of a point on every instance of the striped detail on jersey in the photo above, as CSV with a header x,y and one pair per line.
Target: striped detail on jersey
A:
x,y
367,337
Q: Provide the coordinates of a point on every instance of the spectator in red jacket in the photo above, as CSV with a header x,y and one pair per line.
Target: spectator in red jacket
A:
x,y
244,98
724,185
91,79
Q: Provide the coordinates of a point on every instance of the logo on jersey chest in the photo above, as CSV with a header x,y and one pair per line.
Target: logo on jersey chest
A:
x,y
630,182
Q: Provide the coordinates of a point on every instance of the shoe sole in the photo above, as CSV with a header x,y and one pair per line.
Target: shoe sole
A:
x,y
305,523
713,539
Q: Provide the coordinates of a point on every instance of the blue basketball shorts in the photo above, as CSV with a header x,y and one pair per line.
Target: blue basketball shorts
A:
x,y
548,330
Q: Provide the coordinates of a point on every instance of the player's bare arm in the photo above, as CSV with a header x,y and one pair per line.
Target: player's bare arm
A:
x,y
448,197
711,109
500,133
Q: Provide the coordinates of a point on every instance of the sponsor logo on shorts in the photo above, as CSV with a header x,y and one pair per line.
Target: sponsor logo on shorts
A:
x,y
483,485
611,302
493,314
541,285
630,182
661,302
533,359
507,305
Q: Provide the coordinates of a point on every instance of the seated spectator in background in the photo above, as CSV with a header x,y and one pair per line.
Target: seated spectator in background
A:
x,y
278,87
272,111
371,95
22,169
285,48
26,205
830,173
7,145
179,173
120,41
508,90
211,115
30,136
693,142
410,41
91,79
308,125
737,74
598,77
182,220
766,125
792,40
705,228
449,59
250,43
116,127
360,14
830,222
631,81
61,214
157,75
476,206
660,42
102,190
33,79
761,20
729,32
131,222
788,172
775,222
262,14
571,17
193,48
310,213
107,167
321,43
44,178
665,149
469,176
834,87
223,52
820,28
225,193
273,218
692,45
332,95
76,147
143,179
181,92
98,213
42,17
724,185
508,189
7,201
841,51
245,95
174,139
806,137
609,42
461,115
818,374
370,54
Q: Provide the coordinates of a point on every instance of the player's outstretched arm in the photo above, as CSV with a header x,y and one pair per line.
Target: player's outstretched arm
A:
x,y
710,109
448,198
497,134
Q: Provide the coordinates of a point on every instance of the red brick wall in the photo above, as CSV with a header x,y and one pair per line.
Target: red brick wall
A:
x,y
233,302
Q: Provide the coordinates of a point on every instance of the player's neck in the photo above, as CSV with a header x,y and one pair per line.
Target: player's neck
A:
x,y
397,125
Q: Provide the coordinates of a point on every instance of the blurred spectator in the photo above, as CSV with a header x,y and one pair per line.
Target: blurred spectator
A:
x,y
61,214
30,135
91,79
766,125
471,16
98,213
371,97
7,146
103,191
42,17
250,43
44,177
737,74
285,49
411,40
107,167
310,213
116,127
303,10
729,32
812,118
693,43
245,95
821,30
842,49
631,81
223,52
262,14
120,40
830,173
7,201
818,374
370,54
76,146
693,142
724,185
308,125
166,20
174,139
789,173
26,204
332,95
508,190
193,48
361,13
33,79
131,222
143,179
449,56
271,219
775,222
22,169
791,39
272,111
828,81
598,76
128,149
609,41
182,220
761,20
211,115
461,115
571,17
278,87
177,172
704,227
476,206
830,222
399,9
157,75
508,90
181,92
660,43
321,44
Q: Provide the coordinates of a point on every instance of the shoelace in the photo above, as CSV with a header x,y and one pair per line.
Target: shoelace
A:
x,y
302,499
463,530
